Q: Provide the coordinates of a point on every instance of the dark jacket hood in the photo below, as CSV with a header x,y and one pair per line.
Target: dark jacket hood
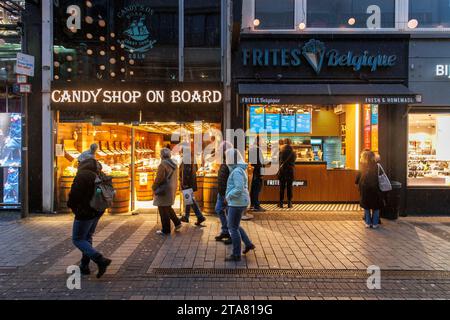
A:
x,y
88,164
170,163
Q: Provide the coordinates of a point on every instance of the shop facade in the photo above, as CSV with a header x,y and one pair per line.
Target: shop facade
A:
x,y
332,97
133,78
428,160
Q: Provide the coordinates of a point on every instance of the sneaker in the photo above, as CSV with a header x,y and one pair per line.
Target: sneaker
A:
x,y
248,249
375,226
280,205
367,225
222,236
247,217
233,258
228,241
102,264
178,227
259,209
200,221
159,232
184,219
290,205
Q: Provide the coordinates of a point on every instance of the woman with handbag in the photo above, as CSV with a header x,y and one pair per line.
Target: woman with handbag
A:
x,y
165,189
371,197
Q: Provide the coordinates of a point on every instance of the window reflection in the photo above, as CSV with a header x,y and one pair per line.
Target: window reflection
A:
x,y
274,14
430,13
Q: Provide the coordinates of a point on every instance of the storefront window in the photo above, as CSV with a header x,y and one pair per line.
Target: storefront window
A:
x,y
273,15
430,13
429,150
116,40
202,40
371,14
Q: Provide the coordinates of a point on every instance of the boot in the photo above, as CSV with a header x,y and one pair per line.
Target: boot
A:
x,y
102,264
280,204
290,204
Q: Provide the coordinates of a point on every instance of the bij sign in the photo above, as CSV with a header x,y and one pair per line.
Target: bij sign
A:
x,y
443,71
102,96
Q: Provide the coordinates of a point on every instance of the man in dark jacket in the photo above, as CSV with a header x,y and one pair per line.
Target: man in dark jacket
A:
x,y
221,204
188,178
286,172
86,218
257,160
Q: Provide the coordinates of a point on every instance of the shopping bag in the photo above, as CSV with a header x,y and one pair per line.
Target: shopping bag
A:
x,y
188,196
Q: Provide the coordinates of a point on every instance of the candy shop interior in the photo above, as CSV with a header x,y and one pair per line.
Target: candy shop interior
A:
x,y
130,153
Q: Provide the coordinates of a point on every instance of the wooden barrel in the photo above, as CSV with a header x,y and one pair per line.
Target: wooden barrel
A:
x,y
210,190
198,195
65,183
144,190
121,203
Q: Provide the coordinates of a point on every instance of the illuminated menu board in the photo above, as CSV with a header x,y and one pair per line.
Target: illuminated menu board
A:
x,y
303,123
273,120
287,123
256,118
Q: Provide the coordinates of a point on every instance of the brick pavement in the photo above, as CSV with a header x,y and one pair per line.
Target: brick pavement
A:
x,y
300,255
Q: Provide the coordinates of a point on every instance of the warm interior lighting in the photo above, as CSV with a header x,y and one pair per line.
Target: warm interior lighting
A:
x,y
357,134
413,23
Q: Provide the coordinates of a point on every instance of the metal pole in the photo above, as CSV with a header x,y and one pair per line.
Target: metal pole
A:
x,y
24,182
133,173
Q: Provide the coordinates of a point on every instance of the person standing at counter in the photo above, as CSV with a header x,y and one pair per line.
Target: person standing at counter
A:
x,y
188,178
238,199
286,172
165,189
257,181
221,203
88,154
371,198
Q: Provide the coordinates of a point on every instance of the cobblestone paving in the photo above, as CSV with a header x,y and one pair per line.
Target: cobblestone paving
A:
x,y
299,255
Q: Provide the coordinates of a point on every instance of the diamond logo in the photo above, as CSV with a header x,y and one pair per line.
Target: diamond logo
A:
x,y
314,53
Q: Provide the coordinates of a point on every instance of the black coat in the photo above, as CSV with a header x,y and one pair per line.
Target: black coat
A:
x,y
222,179
188,176
287,159
371,196
82,190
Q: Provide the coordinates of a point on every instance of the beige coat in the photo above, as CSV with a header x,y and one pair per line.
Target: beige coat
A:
x,y
164,170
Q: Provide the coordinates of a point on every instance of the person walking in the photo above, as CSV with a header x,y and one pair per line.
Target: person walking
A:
x,y
86,218
221,203
188,178
257,159
371,197
287,159
165,189
238,199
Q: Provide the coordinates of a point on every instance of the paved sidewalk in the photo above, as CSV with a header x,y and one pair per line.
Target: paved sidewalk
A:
x,y
299,255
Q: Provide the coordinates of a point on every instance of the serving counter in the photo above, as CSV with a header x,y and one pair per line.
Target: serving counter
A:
x,y
314,182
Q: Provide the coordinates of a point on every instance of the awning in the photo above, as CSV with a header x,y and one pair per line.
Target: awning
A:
x,y
327,94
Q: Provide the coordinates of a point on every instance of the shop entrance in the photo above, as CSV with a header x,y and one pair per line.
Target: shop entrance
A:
x,y
130,154
327,140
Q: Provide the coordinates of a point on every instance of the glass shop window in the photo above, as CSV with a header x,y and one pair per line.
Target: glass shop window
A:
x,y
274,15
368,14
430,13
429,150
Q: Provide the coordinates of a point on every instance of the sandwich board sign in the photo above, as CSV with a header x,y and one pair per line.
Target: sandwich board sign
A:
x,y
25,64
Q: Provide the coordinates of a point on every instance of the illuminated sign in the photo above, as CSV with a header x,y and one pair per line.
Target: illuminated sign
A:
x,y
443,71
102,96
276,183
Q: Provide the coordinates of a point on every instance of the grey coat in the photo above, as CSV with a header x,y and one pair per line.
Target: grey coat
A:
x,y
166,167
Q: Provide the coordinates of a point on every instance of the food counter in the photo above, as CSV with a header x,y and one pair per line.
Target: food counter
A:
x,y
313,182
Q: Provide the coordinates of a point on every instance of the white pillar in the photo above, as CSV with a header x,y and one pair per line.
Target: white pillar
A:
x,y
47,116
226,61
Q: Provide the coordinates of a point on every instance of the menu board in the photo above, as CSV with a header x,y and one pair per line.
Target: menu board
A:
x,y
287,123
256,118
272,121
303,123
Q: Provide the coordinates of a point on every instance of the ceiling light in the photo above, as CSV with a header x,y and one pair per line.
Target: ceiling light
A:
x,y
413,23
256,22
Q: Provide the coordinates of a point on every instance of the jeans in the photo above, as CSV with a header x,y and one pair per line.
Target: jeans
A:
x,y
372,218
167,214
82,233
254,192
286,184
196,208
221,210
237,233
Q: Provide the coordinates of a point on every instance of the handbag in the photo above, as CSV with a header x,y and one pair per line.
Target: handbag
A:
x,y
383,180
162,188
